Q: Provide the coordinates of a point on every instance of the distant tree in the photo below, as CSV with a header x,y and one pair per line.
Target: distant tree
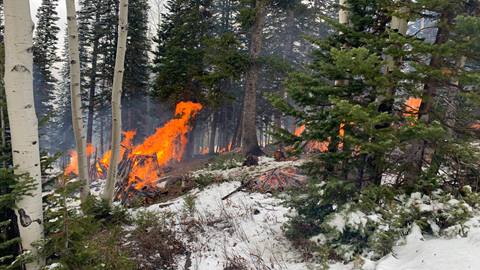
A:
x,y
62,122
44,58
137,68
179,52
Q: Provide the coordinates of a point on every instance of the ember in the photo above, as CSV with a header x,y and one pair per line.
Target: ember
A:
x,y
142,165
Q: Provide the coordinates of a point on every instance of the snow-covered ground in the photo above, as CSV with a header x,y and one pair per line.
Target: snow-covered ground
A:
x,y
460,253
248,227
245,227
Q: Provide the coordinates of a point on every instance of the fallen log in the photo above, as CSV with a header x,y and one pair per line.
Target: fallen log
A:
x,y
242,186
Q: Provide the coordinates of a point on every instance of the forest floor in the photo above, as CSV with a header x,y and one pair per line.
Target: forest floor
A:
x,y
202,231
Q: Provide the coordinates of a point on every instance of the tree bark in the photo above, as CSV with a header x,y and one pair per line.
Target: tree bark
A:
x,y
452,102
93,82
213,133
343,12
249,137
77,117
416,151
116,100
23,121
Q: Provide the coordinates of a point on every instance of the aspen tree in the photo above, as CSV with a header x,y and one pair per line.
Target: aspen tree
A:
x,y
77,116
116,100
23,121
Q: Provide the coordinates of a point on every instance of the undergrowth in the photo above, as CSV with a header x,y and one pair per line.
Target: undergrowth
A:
x,y
336,222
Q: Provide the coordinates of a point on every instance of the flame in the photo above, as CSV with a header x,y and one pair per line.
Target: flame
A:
x,y
72,167
126,143
412,107
204,150
168,143
299,130
320,146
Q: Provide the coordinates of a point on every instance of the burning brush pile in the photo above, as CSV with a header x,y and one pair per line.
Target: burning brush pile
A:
x,y
142,167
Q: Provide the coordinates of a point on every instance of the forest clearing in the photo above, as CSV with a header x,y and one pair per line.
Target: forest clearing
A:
x,y
240,134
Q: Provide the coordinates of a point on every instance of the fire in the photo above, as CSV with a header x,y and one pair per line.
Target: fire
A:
x,y
204,150
412,107
299,130
72,167
320,146
167,144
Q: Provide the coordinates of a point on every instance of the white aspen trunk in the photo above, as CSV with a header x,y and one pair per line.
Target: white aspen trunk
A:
x,y
401,26
77,116
116,100
343,19
23,120
343,12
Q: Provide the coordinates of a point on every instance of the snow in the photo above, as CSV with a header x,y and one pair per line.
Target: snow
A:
x,y
264,164
246,225
434,254
249,226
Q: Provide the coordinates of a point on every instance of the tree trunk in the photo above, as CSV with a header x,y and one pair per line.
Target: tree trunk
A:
x,y
23,121
343,12
213,133
249,137
452,102
102,148
91,95
416,151
116,101
77,118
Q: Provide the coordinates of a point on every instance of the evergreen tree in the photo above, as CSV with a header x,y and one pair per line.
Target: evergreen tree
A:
x,y
353,103
44,58
63,128
136,68
179,52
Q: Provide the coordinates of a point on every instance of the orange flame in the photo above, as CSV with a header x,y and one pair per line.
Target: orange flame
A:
x,y
72,167
412,107
299,130
319,146
166,144
204,150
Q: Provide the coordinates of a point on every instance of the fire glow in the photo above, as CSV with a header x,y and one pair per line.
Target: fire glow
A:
x,y
167,144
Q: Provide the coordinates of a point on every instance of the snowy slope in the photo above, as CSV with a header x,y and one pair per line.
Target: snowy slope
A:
x,y
434,254
245,227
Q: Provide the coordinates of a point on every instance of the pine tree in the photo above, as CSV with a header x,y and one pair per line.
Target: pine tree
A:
x,y
136,68
354,103
62,122
44,58
179,53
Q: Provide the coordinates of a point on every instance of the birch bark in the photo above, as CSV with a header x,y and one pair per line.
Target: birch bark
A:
x,y
116,100
23,120
76,98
